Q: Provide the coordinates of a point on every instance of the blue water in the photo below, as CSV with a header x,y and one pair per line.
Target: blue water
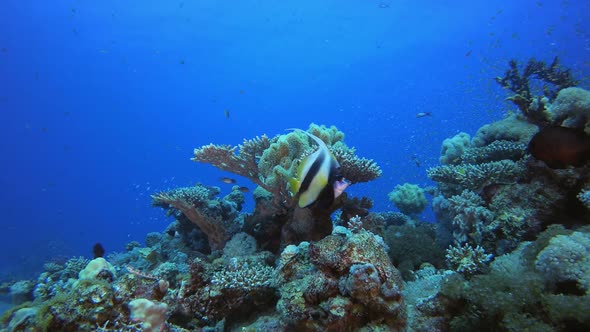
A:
x,y
102,102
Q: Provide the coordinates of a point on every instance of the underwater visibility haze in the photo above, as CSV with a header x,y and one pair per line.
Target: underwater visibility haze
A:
x,y
295,166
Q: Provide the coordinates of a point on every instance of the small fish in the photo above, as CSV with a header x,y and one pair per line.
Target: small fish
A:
x,y
98,250
227,180
416,160
423,114
244,189
226,113
316,173
468,53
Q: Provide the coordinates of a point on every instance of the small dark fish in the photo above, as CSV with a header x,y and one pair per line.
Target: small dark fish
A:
x,y
244,189
416,160
182,62
560,147
227,180
226,113
423,114
468,53
98,250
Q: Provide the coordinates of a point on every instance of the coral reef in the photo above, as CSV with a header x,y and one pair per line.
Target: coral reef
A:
x,y
343,282
516,232
411,245
270,163
521,291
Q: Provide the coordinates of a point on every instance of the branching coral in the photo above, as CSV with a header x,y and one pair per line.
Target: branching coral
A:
x,y
519,83
467,259
470,217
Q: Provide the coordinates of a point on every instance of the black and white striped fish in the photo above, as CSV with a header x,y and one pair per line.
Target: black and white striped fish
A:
x,y
318,174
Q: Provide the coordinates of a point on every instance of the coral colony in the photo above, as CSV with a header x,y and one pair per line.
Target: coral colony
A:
x,y
510,250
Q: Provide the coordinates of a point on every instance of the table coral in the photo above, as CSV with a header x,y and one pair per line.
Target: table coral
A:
x,y
214,216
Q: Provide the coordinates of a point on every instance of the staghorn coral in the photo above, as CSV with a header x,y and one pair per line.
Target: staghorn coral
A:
x,y
519,84
214,217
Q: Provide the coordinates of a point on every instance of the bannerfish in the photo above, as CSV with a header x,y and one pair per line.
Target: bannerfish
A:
x,y
318,174
560,147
